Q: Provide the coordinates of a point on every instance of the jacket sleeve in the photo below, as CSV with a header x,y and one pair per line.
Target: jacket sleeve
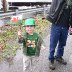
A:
x,y
55,9
23,38
39,43
71,18
20,40
23,41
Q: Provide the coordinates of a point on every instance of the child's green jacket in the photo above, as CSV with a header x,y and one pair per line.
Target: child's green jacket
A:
x,y
38,47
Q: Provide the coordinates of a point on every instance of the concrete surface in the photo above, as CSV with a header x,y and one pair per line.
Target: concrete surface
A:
x,y
43,64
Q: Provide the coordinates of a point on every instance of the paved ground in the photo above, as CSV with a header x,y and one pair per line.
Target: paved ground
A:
x,y
43,65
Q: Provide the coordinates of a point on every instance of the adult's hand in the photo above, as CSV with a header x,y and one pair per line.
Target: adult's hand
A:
x,y
70,31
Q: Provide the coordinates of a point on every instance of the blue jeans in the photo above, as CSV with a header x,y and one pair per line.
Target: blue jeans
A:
x,y
58,36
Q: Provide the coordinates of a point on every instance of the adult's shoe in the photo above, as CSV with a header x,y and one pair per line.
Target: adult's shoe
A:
x,y
61,60
52,65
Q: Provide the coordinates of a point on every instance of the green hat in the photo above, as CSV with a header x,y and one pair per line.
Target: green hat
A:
x,y
29,21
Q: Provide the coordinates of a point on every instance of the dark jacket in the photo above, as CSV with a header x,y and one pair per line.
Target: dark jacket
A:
x,y
55,10
71,18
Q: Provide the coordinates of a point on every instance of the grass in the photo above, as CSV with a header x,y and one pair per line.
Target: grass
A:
x,y
8,39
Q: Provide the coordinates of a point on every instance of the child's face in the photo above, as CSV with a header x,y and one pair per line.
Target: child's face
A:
x,y
29,29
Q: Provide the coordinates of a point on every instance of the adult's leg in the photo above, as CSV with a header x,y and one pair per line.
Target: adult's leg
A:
x,y
62,42
54,37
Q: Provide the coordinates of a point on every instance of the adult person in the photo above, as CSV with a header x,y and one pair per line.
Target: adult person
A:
x,y
59,15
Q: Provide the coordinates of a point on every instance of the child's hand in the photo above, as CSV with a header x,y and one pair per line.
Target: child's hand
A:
x,y
43,48
43,18
19,33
